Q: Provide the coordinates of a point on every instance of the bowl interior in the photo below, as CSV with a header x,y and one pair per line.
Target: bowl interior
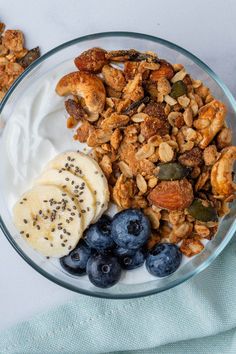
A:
x,y
16,98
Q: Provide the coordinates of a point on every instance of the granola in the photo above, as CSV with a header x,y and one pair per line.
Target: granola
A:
x,y
160,137
14,57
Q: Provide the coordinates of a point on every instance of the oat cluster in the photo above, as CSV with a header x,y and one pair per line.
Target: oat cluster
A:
x,y
160,137
14,57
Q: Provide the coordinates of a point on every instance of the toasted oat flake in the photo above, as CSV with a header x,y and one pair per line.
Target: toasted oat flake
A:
x,y
141,183
166,152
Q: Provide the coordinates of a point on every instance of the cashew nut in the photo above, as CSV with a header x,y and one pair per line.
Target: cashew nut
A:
x,y
210,121
221,173
88,86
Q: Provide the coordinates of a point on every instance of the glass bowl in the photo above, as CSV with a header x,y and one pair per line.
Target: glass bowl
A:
x,y
43,66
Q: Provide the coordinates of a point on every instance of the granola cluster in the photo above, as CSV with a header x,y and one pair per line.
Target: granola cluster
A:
x,y
160,138
14,58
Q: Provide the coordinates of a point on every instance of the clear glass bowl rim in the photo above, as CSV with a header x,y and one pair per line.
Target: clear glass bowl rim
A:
x,y
168,44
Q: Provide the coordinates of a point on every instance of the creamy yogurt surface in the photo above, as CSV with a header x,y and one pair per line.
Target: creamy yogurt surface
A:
x,y
35,133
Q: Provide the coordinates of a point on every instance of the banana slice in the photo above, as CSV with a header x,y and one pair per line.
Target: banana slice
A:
x,y
76,187
84,166
49,220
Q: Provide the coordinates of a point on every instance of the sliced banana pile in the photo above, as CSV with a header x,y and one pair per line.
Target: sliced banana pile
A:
x,y
71,193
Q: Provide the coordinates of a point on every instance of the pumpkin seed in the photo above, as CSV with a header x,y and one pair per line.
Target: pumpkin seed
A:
x,y
178,89
202,212
172,171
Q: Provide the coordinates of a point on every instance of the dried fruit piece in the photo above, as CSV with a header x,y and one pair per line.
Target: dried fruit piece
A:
x,y
178,89
171,171
75,110
157,122
91,60
191,158
31,56
202,212
172,195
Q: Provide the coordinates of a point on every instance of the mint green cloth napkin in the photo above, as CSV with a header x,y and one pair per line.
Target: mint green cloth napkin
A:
x,y
196,317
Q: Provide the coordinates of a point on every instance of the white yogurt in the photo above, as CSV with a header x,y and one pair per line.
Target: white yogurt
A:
x,y
34,134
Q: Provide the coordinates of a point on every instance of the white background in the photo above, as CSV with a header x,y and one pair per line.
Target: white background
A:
x,y
204,27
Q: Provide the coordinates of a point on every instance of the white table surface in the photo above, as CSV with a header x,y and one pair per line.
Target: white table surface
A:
x,y
204,27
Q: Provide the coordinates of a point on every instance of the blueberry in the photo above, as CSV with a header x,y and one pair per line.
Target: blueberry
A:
x,y
163,259
75,262
103,270
98,236
132,261
130,229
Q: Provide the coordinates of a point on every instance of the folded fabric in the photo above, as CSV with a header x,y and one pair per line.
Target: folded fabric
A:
x,y
198,316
